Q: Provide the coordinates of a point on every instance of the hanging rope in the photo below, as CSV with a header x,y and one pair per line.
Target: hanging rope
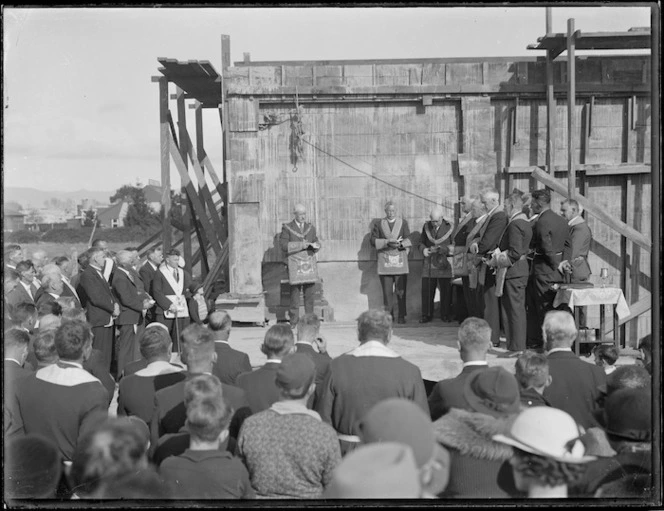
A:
x,y
297,132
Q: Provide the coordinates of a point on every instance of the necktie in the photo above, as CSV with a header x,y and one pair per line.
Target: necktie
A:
x,y
177,277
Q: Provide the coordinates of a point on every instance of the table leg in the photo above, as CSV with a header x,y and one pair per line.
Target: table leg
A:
x,y
602,323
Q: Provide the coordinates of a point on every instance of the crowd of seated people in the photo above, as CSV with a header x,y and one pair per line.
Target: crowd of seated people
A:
x,y
304,425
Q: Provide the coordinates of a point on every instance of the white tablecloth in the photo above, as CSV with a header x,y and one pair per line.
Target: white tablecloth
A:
x,y
594,296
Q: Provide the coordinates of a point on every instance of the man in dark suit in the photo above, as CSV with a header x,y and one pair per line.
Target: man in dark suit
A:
x,y
575,384
68,288
230,363
474,343
436,269
459,259
132,300
308,336
51,289
155,256
298,236
16,346
13,256
577,244
100,305
489,236
512,272
259,384
26,290
390,238
549,234
170,285
170,413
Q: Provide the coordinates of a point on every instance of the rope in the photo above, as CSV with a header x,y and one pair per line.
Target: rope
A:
x,y
408,192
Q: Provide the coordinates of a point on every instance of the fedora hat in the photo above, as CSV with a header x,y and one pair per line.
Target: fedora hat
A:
x,y
547,432
493,391
400,420
627,415
376,471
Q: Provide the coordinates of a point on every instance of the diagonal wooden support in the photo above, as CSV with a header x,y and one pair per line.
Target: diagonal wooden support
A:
x,y
636,309
621,227
195,200
219,263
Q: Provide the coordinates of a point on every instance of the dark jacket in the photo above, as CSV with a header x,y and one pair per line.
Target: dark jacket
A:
x,y
260,387
146,273
476,460
448,393
96,297
322,362
129,296
18,295
308,233
462,233
230,364
161,288
577,246
549,234
492,230
516,241
574,386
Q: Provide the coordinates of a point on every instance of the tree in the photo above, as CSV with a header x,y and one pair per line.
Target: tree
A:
x,y
33,216
90,217
139,213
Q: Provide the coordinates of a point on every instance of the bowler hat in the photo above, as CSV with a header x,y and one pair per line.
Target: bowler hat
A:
x,y
547,432
376,471
493,391
400,420
627,415
295,372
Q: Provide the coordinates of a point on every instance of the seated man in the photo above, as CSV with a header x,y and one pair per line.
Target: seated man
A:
x,y
532,373
289,451
60,400
606,356
474,341
231,363
137,391
204,471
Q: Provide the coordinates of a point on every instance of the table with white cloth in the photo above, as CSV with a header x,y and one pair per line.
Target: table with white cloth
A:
x,y
597,296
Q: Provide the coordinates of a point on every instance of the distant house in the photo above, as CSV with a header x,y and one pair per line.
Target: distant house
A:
x,y
75,222
152,192
113,216
13,218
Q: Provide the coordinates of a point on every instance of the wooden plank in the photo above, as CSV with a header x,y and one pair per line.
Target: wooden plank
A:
x,y
571,103
216,268
246,250
635,310
550,114
198,208
591,169
622,228
183,145
243,114
165,162
198,119
225,51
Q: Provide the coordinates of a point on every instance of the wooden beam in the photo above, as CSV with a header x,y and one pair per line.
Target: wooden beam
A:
x,y
198,116
216,268
591,169
622,228
183,147
165,162
636,310
550,108
571,106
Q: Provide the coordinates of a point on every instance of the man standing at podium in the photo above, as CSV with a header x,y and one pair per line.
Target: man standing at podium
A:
x,y
300,243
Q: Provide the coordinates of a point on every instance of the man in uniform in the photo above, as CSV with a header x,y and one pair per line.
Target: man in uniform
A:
x,y
577,245
490,233
512,274
299,242
549,234
436,269
390,238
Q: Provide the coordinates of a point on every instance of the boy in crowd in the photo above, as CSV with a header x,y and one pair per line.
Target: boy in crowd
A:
x,y
606,356
532,374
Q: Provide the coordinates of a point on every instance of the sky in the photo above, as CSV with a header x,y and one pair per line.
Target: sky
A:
x,y
80,111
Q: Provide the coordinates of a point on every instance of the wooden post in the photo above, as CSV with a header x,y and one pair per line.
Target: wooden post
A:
x,y
165,162
550,115
571,103
549,21
184,146
198,112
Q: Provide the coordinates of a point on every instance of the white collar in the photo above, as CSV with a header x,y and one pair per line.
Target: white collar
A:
x,y
494,209
27,286
373,349
77,364
293,407
480,219
273,361
54,295
158,367
578,219
475,363
554,350
154,266
221,340
534,217
10,266
13,360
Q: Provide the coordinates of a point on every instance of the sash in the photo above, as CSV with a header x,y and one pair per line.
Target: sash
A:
x,y
178,298
297,234
471,259
392,261
436,265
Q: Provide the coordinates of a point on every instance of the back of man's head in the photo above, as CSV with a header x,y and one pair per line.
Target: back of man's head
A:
x,y
207,412
44,347
155,344
308,327
73,314
16,343
219,321
49,322
124,257
474,339
71,340
628,376
374,325
531,370
24,314
558,330
112,449
543,197
278,341
197,348
48,308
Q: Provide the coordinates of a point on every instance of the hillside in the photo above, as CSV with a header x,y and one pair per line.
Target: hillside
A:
x,y
34,198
